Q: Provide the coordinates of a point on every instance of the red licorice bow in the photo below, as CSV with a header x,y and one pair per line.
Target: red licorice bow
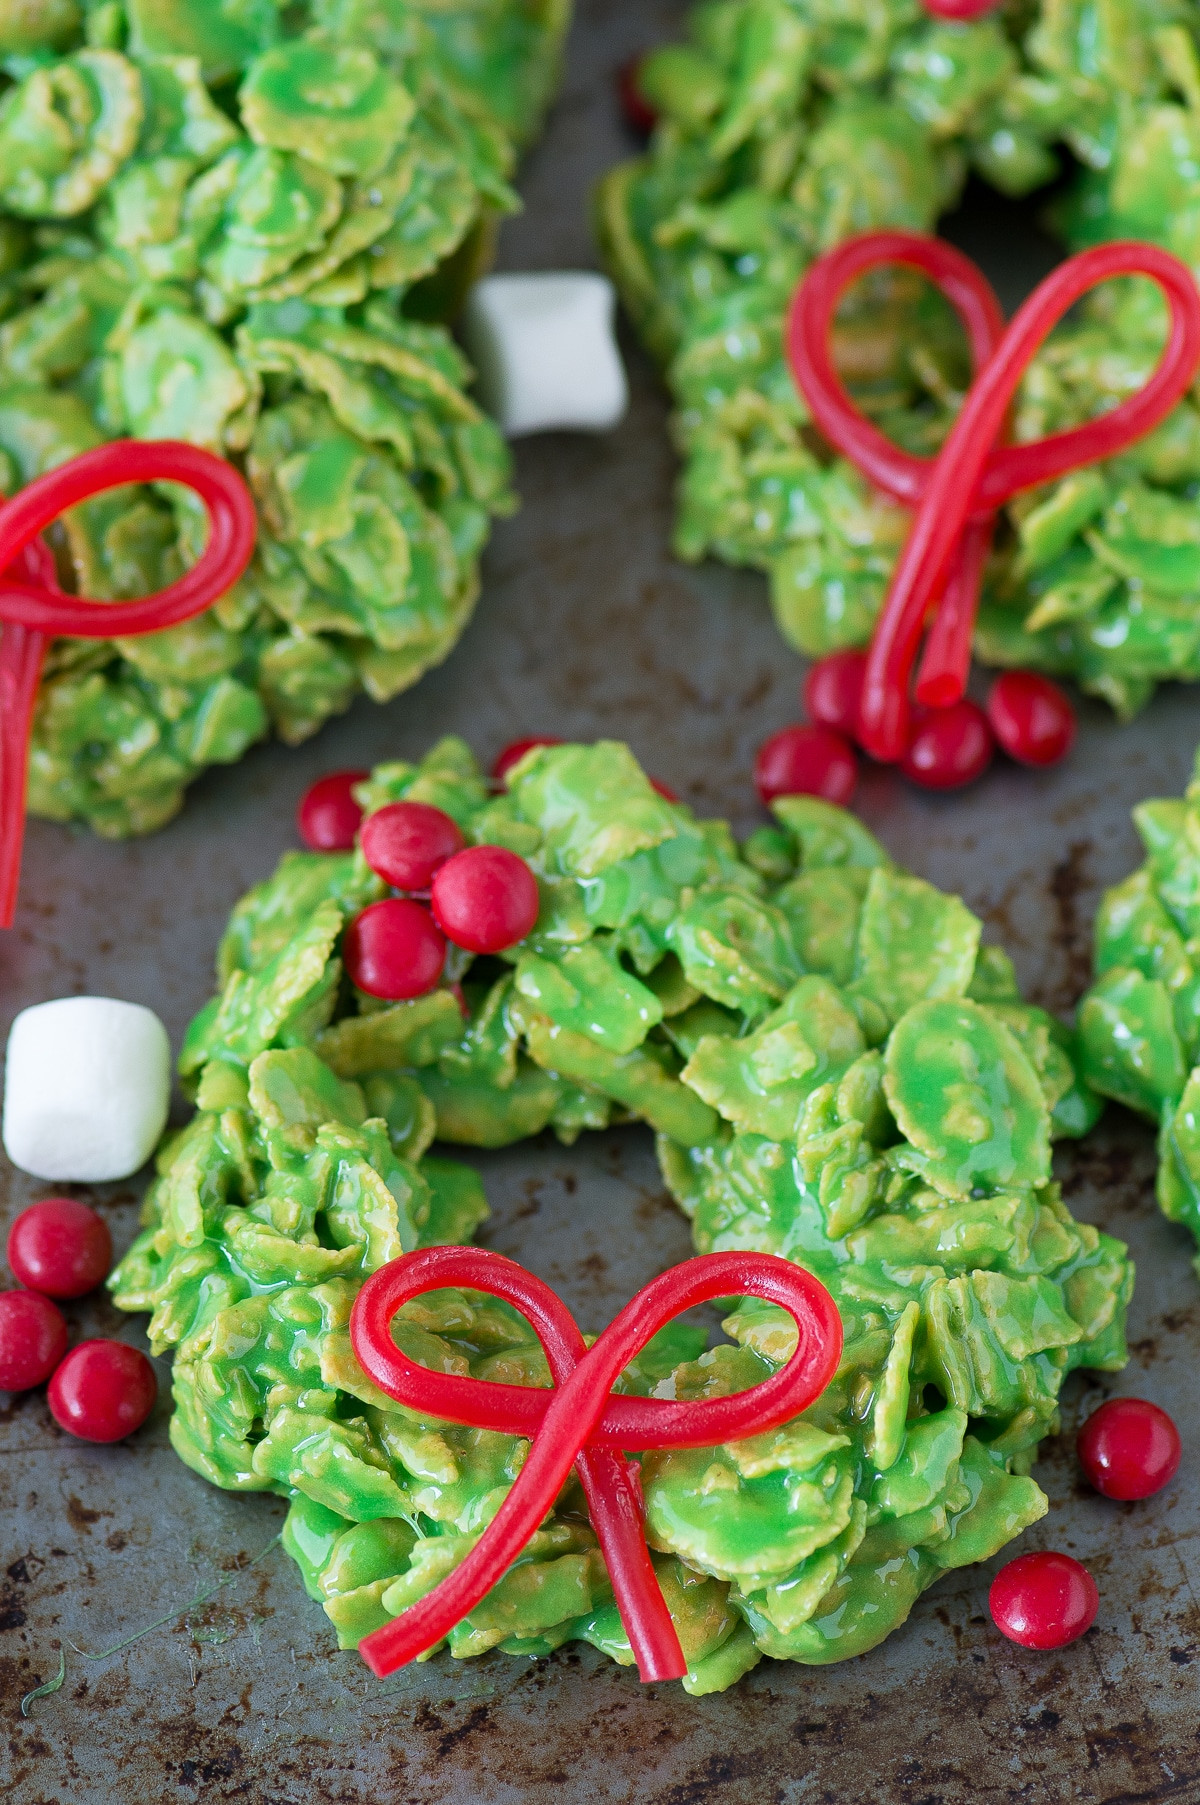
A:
x,y
34,609
957,493
580,1423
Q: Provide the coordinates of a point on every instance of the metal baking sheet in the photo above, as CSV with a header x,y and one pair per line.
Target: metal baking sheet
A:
x,y
587,627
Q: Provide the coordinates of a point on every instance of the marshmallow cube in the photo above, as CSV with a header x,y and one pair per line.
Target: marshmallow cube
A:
x,y
546,352
87,1084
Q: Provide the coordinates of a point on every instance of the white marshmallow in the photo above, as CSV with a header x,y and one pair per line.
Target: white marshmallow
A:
x,y
546,352
87,1084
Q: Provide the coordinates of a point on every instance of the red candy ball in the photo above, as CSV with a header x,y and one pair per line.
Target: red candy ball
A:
x,y
328,816
1031,718
405,843
516,750
636,108
833,691
103,1391
1129,1448
949,747
806,761
485,899
60,1247
1043,1600
664,790
33,1339
393,949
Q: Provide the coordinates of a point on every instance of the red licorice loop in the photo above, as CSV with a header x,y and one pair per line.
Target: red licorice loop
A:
x,y
33,608
956,494
580,1423
960,11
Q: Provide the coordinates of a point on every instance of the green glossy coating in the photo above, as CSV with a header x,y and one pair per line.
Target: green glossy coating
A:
x,y
837,1073
241,225
1139,1024
785,126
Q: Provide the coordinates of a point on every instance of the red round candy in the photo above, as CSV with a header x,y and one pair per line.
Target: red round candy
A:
x,y
405,843
103,1391
806,761
328,816
1043,1600
393,949
33,1339
949,747
636,108
664,790
60,1247
485,899
1129,1448
516,750
833,691
1031,717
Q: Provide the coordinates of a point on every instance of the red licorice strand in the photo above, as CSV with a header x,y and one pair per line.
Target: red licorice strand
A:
x,y
946,658
960,11
580,1411
33,608
899,474
970,478
969,471
232,527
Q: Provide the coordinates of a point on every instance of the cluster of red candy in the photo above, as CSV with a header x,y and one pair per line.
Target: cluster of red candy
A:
x,y
1027,716
1128,1449
481,898
102,1390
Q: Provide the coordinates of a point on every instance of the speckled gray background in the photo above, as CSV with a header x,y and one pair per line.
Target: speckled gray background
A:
x,y
587,627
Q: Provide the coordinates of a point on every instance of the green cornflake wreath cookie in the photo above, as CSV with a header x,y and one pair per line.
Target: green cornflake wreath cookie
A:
x,y
788,125
1139,1024
233,223
836,1071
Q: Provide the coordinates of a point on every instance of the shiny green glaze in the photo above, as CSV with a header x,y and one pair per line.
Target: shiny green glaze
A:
x,y
231,223
1139,1024
874,1102
787,125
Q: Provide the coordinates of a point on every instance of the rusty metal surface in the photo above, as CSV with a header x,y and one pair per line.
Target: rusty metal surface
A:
x,y
588,628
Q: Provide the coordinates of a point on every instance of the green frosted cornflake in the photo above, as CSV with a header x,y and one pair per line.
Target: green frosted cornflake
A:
x,y
333,1463
1129,1047
823,907
586,990
253,1007
700,1508
295,1091
776,1611
65,130
310,1532
334,102
965,1095
638,1080
761,1081
593,804
270,915
914,942
925,1467
403,1034
475,1113
457,1205
1001,1505
890,1409
178,381
735,949
828,835
871,1597
994,979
